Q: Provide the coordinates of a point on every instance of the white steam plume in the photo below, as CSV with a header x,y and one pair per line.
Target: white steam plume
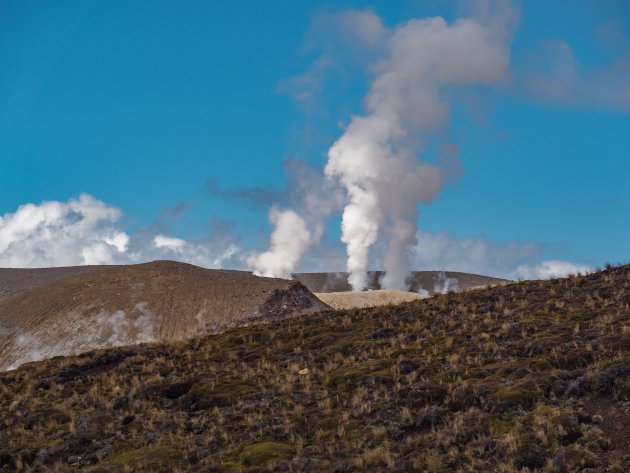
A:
x,y
77,333
375,159
289,241
315,197
444,284
118,329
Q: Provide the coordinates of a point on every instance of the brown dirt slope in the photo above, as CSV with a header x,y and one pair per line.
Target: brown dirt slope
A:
x,y
428,280
16,280
122,305
524,377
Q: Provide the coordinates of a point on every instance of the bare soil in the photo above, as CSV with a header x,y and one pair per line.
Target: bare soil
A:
x,y
123,305
16,280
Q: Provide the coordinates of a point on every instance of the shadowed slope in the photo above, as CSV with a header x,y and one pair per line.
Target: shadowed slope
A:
x,y
122,305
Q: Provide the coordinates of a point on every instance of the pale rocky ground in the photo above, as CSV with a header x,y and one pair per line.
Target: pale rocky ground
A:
x,y
363,299
125,305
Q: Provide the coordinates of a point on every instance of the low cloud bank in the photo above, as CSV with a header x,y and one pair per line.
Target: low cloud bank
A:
x,y
84,231
511,260
551,269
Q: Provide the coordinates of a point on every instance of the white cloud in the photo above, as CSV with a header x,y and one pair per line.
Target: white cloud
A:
x,y
416,66
551,269
79,231
163,241
84,231
512,259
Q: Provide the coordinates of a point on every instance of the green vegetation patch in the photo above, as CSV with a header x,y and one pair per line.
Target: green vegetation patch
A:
x,y
264,453
151,456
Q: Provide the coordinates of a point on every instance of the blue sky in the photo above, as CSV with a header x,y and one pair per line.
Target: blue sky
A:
x,y
140,104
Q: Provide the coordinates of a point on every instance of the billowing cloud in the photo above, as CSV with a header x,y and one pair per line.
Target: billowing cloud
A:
x,y
312,197
289,241
377,158
80,231
415,65
85,231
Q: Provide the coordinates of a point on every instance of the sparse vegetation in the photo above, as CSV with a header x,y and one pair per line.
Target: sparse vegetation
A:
x,y
533,376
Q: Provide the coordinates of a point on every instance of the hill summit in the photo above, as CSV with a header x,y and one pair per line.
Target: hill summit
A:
x,y
124,305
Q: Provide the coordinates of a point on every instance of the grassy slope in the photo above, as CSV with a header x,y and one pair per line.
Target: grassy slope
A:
x,y
528,376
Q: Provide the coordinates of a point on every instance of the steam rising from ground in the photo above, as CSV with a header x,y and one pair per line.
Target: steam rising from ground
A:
x,y
377,172
119,329
445,284
377,158
315,197
80,334
289,240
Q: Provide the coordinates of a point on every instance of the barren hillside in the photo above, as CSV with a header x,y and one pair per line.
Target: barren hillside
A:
x,y
122,305
16,280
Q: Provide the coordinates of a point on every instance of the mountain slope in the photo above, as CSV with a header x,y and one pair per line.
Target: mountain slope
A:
x,y
533,376
14,281
122,305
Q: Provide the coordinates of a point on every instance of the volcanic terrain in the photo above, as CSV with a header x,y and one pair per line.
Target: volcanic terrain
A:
x,y
523,377
122,305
